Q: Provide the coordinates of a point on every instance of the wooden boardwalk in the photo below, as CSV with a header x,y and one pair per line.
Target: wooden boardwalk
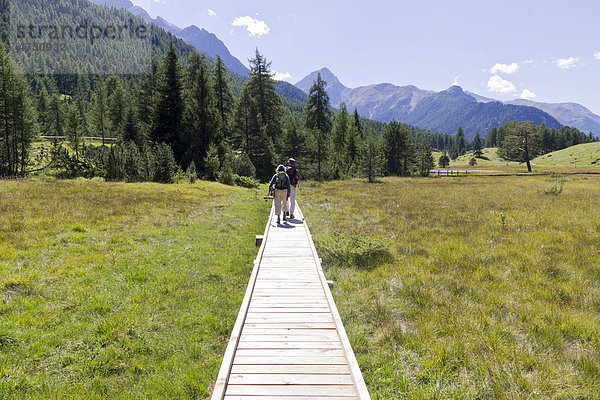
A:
x,y
288,341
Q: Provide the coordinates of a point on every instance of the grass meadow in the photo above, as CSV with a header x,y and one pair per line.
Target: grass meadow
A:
x,y
466,288
113,290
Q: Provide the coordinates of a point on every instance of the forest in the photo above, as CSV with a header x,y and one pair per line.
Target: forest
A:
x,y
178,115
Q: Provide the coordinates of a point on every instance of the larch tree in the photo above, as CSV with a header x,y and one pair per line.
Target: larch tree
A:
x,y
522,143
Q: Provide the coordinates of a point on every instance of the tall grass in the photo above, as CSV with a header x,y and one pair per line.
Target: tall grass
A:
x,y
493,291
120,290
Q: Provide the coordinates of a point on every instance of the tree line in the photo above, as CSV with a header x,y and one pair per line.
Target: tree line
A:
x,y
182,118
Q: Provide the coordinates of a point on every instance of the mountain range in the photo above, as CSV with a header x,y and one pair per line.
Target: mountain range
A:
x,y
445,111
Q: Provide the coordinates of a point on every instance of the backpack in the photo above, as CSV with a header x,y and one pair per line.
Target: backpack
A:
x,y
293,177
281,181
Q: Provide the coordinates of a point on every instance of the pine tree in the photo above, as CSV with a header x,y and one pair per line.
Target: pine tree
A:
x,y
477,146
117,108
293,143
490,140
460,142
201,120
317,120
425,160
357,123
131,129
169,107
55,117
399,149
523,143
261,86
100,113
339,136
223,95
147,92
74,128
444,160
372,162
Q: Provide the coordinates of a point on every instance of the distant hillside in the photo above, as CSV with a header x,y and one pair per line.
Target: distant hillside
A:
x,y
204,41
128,54
443,111
570,114
586,154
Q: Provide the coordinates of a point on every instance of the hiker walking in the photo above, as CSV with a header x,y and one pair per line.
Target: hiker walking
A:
x,y
281,183
295,177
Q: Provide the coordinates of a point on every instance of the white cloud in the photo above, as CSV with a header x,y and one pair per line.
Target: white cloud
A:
x,y
499,85
527,95
456,78
211,13
278,76
566,63
504,68
597,55
254,27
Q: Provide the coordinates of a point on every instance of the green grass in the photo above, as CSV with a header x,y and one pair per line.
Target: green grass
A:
x,y
587,154
112,290
492,290
488,159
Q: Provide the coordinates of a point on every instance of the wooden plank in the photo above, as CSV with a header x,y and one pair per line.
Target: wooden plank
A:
x,y
242,397
272,360
289,345
332,337
289,379
290,369
290,353
288,331
292,390
289,309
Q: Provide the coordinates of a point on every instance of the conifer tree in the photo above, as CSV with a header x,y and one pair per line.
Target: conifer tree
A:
x,y
372,161
523,143
357,123
425,160
223,95
147,96
444,160
74,128
131,129
117,108
399,149
460,142
317,120
339,136
477,146
201,120
169,107
100,113
261,86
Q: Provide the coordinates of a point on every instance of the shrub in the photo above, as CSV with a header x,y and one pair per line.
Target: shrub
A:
x,y
472,161
245,181
165,167
191,173
355,251
242,165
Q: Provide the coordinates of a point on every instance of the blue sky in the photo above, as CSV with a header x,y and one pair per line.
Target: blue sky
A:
x,y
547,51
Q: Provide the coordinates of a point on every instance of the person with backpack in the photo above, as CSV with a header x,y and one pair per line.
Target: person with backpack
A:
x,y
295,177
281,185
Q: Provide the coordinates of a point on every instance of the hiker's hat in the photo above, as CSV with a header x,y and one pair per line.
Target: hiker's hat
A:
x,y
291,160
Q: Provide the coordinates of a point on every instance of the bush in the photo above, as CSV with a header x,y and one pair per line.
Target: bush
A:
x,y
165,167
242,165
245,181
557,187
355,251
191,173
472,161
